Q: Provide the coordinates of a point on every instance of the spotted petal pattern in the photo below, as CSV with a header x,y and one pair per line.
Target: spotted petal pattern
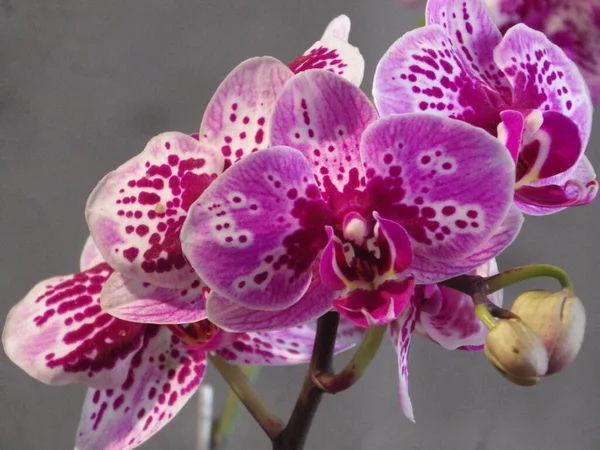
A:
x,y
59,334
401,332
162,378
246,235
237,119
333,53
140,302
290,346
423,71
323,116
230,316
136,212
449,185
543,77
472,30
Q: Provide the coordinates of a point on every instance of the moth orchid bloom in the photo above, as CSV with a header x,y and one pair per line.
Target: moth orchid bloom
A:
x,y
444,316
136,212
363,207
521,88
139,374
573,25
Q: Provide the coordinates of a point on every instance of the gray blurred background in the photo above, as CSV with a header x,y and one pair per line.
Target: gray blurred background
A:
x,y
84,85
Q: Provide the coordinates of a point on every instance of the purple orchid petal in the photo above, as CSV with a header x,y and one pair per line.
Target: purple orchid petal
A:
x,y
367,308
348,332
290,346
333,53
553,198
396,242
472,30
59,334
90,255
140,302
544,78
255,232
161,380
317,300
572,25
323,116
433,271
448,316
553,150
423,71
510,131
450,185
136,212
236,121
401,332
334,254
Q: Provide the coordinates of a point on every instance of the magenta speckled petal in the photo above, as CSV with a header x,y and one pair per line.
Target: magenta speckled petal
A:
x,y
323,116
401,332
59,334
423,71
333,53
255,232
317,300
448,316
290,346
543,77
450,185
474,35
430,271
90,255
141,302
237,119
161,380
367,308
136,212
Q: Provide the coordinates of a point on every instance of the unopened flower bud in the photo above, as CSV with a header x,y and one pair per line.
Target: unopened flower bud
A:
x,y
558,318
517,352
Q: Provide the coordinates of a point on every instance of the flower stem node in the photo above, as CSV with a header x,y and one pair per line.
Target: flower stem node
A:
x,y
517,352
558,318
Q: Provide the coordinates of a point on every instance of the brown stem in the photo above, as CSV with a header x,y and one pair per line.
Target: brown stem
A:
x,y
294,434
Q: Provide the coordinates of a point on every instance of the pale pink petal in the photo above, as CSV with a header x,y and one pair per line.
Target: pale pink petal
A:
x,y
324,116
334,53
401,332
59,334
161,380
90,255
141,302
136,212
289,346
237,119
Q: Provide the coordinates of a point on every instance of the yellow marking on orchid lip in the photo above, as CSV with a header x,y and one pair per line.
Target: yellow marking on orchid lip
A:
x,y
532,175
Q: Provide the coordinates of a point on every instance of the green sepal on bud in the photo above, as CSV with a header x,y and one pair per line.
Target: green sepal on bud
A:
x,y
516,351
558,318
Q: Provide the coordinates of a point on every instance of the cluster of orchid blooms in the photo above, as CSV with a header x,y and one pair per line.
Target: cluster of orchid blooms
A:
x,y
300,196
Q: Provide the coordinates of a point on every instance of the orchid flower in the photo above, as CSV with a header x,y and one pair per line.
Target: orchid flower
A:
x,y
361,207
444,316
521,88
139,374
136,212
573,25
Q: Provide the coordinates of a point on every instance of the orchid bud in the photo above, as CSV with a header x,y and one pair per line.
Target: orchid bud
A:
x,y
517,352
558,318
